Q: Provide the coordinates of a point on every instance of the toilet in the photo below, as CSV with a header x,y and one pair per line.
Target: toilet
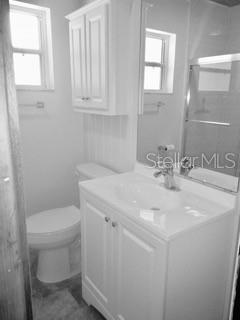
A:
x,y
55,234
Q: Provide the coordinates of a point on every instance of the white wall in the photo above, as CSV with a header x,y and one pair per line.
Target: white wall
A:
x,y
164,127
53,138
208,28
233,36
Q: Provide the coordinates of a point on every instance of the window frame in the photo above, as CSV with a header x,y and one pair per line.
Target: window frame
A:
x,y
45,50
168,63
163,65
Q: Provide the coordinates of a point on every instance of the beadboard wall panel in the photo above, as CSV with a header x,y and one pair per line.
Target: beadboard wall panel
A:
x,y
109,141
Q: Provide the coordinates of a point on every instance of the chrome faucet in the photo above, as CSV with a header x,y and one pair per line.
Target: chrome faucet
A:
x,y
186,166
167,172
166,169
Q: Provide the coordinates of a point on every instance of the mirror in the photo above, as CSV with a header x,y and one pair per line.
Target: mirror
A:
x,y
164,49
212,121
190,88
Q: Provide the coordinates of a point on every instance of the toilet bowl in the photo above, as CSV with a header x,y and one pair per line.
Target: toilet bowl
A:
x,y
51,232
56,234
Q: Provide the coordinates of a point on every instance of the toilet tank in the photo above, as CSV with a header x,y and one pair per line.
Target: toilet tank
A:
x,y
91,170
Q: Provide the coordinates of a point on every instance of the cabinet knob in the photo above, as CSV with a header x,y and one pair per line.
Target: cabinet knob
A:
x,y
114,224
107,219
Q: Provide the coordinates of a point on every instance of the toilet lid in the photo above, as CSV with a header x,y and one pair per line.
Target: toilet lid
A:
x,y
53,220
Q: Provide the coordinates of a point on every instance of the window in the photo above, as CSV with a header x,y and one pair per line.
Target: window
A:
x,y
159,61
32,47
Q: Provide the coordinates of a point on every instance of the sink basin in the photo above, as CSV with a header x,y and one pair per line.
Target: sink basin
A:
x,y
148,196
164,212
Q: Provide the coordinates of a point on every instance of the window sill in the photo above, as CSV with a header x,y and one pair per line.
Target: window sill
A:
x,y
37,89
158,92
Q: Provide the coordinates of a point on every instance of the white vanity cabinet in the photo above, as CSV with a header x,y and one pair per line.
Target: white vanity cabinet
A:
x,y
138,272
129,273
96,249
123,265
100,56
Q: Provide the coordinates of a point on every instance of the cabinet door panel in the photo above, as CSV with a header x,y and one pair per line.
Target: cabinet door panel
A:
x,y
96,252
78,62
140,271
97,44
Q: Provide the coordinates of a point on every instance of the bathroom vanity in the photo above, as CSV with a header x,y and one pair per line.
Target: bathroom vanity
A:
x,y
152,253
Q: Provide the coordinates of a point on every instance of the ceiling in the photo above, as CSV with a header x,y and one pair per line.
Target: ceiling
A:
x,y
229,3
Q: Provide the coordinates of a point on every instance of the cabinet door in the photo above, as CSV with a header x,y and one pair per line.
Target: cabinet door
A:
x,y
140,266
96,252
97,56
78,62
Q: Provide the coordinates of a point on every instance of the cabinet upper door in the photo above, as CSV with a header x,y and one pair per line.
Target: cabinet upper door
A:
x,y
96,252
97,56
140,266
78,61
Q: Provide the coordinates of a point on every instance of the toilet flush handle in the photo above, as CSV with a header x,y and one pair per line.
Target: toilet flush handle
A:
x,y
4,179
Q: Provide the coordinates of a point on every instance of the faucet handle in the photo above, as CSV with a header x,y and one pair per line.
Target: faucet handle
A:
x,y
166,147
158,173
186,162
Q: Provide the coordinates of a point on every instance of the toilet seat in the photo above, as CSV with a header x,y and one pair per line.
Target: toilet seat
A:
x,y
53,233
53,228
53,221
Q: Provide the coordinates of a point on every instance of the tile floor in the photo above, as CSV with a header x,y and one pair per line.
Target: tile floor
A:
x,y
61,300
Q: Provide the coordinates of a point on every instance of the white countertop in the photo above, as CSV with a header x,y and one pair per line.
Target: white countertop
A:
x,y
192,210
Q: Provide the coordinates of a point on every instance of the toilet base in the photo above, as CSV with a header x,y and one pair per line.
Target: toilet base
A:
x,y
54,266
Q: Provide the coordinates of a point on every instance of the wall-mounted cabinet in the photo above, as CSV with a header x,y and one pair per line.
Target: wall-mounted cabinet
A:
x,y
100,59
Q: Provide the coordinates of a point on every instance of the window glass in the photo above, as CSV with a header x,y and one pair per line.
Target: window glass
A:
x,y
27,69
25,30
32,46
153,50
152,78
